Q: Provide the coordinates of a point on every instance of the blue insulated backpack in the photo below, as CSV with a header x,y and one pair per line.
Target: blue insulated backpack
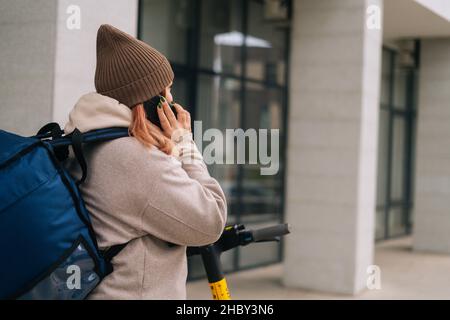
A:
x,y
49,249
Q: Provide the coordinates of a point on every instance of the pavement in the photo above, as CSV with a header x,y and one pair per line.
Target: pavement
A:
x,y
405,274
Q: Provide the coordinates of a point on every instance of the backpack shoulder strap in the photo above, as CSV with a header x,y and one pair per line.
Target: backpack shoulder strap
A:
x,y
77,146
91,136
76,139
105,134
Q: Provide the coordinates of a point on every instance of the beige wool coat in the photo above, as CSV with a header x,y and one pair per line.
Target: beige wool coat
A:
x,y
146,197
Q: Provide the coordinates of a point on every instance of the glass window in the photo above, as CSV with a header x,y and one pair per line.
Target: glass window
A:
x,y
261,193
398,159
400,78
395,157
180,92
397,225
263,107
221,36
218,102
383,139
266,46
386,64
380,224
259,254
385,78
165,25
218,108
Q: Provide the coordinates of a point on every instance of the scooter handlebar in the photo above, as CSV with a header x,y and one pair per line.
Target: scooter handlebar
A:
x,y
270,233
237,235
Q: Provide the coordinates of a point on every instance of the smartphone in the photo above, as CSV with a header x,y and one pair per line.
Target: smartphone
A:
x,y
151,106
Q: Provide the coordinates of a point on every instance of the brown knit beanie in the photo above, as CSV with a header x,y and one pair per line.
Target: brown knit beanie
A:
x,y
128,69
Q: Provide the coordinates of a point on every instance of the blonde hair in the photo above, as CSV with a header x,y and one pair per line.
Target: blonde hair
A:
x,y
141,129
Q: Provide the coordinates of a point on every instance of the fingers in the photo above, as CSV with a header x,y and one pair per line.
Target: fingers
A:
x,y
165,125
188,120
170,122
169,114
183,116
179,108
155,127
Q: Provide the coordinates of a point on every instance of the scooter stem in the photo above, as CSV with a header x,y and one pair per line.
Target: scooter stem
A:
x,y
217,283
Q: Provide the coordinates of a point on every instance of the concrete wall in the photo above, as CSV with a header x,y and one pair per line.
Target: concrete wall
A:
x,y
45,66
432,195
27,51
440,7
76,49
416,19
332,147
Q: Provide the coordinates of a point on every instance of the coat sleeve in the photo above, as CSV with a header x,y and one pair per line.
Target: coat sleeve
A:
x,y
189,207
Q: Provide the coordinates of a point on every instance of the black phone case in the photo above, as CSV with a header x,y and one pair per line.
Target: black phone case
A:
x,y
151,106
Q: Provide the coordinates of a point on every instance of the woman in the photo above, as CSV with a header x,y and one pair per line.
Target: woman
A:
x,y
149,189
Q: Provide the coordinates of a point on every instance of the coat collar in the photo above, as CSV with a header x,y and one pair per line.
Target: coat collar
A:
x,y
96,111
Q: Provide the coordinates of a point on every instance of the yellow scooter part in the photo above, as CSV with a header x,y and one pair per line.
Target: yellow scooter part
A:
x,y
219,290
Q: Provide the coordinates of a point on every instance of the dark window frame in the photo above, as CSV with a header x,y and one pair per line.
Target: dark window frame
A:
x,y
409,115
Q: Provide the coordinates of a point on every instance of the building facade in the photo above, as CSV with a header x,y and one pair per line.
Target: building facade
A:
x,y
358,89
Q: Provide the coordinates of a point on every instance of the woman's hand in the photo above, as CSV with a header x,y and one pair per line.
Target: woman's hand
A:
x,y
173,125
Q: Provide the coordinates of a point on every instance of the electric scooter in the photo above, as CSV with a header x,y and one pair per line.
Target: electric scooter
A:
x,y
232,236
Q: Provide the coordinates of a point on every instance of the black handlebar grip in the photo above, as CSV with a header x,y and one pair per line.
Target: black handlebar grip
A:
x,y
270,232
